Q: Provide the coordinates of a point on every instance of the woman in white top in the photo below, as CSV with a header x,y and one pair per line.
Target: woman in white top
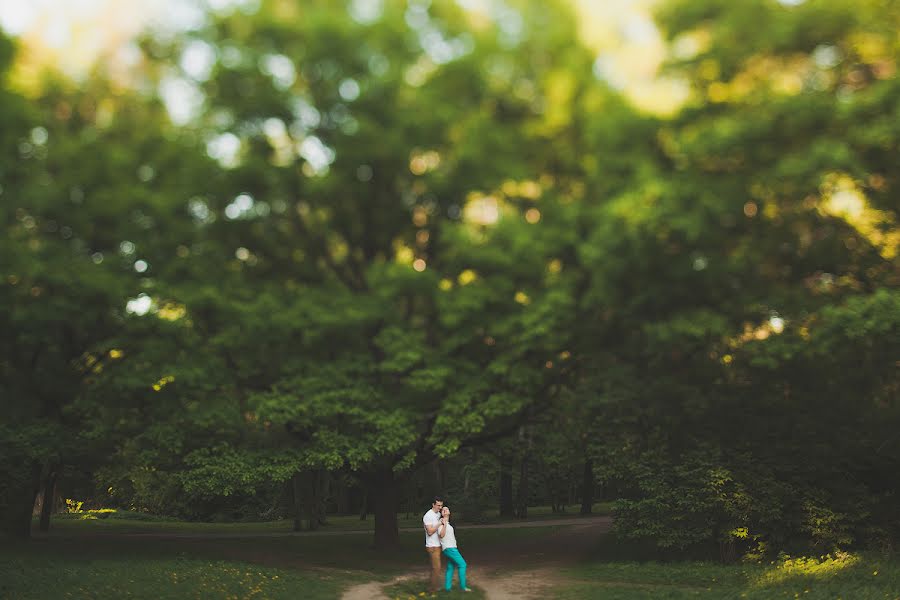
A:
x,y
449,549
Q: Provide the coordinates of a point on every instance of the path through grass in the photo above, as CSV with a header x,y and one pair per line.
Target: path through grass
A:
x,y
565,561
82,564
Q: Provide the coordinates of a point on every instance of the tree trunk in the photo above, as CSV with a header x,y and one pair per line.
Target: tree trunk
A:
x,y
384,488
310,491
440,476
296,496
311,500
22,483
324,496
587,487
342,497
49,500
506,487
364,506
522,495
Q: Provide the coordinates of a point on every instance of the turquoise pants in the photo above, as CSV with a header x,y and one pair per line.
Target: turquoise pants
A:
x,y
454,559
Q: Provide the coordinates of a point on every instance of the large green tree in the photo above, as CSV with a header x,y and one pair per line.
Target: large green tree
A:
x,y
764,240
378,279
378,233
92,179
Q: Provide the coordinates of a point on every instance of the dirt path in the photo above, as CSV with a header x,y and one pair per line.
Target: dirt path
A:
x,y
496,585
520,570
499,584
374,590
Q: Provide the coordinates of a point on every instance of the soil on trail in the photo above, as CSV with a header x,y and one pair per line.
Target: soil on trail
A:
x,y
521,569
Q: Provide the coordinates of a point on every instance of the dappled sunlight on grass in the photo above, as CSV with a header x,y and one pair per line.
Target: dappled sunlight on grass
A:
x,y
839,575
145,566
96,513
817,568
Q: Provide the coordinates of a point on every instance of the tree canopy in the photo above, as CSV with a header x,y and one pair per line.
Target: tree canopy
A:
x,y
373,240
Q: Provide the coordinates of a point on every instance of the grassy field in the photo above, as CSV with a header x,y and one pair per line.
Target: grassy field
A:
x,y
87,559
851,577
129,522
40,577
83,565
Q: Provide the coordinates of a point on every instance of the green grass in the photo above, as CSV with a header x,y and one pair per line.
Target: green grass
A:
x,y
122,521
129,567
80,523
75,562
84,565
81,564
850,577
28,576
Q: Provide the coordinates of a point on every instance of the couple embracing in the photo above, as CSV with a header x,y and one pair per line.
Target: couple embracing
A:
x,y
441,539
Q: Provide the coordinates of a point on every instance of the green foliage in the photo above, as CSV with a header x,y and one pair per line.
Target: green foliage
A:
x,y
742,387
222,470
436,232
686,503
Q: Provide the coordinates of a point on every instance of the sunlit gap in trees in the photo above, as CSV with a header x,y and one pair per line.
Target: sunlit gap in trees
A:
x,y
73,35
774,325
486,209
144,304
481,209
421,162
841,197
139,306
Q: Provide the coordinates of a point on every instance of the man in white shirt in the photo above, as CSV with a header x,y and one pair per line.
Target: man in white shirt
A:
x,y
432,520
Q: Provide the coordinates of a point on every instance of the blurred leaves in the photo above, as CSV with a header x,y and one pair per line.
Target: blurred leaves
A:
x,y
373,242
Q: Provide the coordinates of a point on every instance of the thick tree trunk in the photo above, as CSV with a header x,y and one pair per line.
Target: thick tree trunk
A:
x,y
340,497
440,476
310,492
22,483
324,493
522,495
364,507
384,488
587,487
311,500
506,487
49,499
296,497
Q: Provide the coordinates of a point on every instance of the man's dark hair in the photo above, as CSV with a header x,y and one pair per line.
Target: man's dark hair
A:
x,y
438,498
